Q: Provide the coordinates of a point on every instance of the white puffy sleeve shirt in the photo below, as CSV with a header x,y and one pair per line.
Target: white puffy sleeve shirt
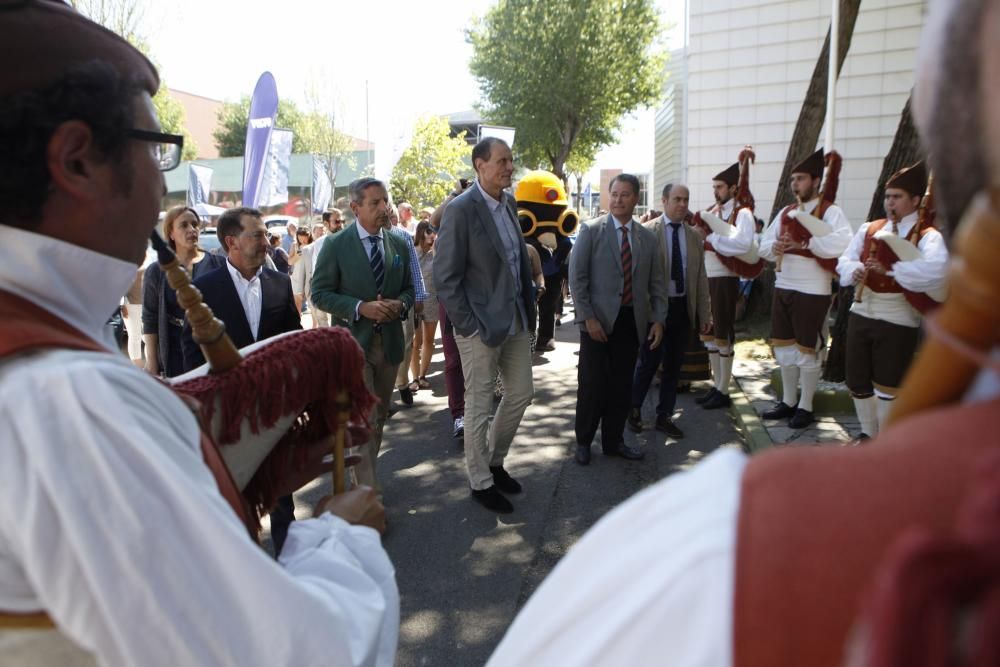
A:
x,y
652,583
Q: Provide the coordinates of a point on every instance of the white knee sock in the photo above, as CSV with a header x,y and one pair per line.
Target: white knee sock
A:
x,y
867,414
725,372
787,358
883,405
810,380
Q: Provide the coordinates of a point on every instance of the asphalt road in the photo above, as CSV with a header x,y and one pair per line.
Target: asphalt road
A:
x,y
463,572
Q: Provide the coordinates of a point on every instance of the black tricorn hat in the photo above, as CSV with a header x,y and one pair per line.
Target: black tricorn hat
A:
x,y
730,176
812,165
45,38
913,179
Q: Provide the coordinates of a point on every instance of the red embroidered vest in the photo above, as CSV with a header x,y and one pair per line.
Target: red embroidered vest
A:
x,y
879,282
802,235
734,264
816,523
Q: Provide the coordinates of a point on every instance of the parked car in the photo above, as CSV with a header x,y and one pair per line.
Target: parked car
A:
x,y
208,240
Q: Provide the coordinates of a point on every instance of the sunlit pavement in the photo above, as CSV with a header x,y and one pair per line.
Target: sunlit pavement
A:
x,y
463,571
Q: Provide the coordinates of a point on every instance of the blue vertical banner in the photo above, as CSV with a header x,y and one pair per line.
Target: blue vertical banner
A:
x,y
260,123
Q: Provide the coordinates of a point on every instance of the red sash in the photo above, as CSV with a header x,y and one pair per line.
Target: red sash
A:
x,y
879,282
25,327
802,235
734,264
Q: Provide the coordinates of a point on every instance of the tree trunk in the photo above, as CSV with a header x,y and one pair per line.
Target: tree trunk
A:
x,y
804,139
813,111
905,151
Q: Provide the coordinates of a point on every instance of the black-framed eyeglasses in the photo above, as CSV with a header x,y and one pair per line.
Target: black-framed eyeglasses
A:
x,y
166,147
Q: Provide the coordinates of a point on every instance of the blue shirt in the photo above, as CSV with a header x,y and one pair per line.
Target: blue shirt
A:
x,y
420,294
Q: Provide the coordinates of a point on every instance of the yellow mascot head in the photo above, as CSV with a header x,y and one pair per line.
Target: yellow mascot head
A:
x,y
543,209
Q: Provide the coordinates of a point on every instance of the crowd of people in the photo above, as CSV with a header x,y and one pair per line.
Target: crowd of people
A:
x,y
121,539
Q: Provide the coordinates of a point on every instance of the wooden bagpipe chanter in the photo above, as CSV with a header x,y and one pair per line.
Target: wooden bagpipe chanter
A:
x,y
800,226
277,411
749,264
888,248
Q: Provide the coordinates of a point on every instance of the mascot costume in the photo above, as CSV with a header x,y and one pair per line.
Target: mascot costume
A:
x,y
547,223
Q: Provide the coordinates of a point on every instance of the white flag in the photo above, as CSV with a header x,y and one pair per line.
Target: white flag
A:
x,y
199,184
274,185
322,190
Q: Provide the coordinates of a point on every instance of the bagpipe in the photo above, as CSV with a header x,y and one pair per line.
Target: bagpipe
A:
x,y
749,264
271,408
888,248
800,225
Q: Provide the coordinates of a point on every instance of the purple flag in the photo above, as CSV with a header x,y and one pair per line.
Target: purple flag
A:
x,y
263,109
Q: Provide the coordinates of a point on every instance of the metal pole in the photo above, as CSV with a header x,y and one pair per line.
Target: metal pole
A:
x,y
831,79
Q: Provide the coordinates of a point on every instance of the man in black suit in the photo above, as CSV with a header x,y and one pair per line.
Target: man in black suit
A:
x,y
255,303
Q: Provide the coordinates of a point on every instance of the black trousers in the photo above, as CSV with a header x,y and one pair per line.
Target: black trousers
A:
x,y
547,308
605,382
282,517
670,352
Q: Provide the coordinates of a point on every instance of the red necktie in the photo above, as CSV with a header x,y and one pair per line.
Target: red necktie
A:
x,y
627,268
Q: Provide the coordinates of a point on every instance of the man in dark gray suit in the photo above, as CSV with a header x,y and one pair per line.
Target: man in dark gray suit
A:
x,y
483,279
616,280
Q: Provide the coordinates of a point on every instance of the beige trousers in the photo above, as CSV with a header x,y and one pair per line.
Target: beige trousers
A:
x,y
379,376
486,442
403,373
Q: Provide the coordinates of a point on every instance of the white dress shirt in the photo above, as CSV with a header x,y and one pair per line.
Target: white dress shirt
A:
x,y
929,273
249,293
112,524
804,274
729,246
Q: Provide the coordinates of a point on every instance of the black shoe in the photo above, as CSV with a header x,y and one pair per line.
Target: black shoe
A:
x,y
406,394
459,428
634,420
503,480
780,411
801,419
719,400
666,425
701,400
582,455
492,500
626,452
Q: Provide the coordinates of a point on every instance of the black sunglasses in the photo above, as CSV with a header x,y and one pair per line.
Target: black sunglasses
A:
x,y
166,147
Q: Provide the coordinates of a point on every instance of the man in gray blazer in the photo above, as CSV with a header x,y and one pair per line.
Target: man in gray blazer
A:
x,y
483,278
682,256
616,278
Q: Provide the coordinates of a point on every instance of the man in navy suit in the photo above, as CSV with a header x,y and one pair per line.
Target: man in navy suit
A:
x,y
255,303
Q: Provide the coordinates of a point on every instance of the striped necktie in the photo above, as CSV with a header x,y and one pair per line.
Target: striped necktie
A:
x,y
377,263
626,268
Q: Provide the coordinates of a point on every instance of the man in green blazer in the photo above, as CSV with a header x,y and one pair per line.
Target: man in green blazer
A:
x,y
362,276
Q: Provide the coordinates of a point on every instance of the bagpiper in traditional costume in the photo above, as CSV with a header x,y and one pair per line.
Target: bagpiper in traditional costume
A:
x,y
730,254
899,265
804,241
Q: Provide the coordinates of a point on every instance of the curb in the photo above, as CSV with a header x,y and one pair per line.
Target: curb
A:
x,y
748,423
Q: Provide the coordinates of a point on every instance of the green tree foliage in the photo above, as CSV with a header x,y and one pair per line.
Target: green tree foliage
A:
x,y
125,17
428,169
171,115
231,134
321,136
565,75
